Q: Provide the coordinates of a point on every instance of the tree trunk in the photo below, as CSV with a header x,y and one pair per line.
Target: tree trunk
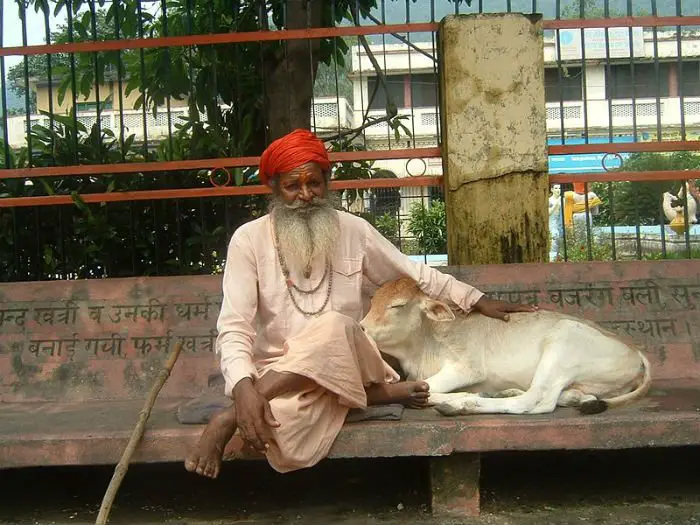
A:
x,y
290,72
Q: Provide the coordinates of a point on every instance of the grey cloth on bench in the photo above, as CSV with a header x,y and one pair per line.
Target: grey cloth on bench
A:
x,y
392,412
200,410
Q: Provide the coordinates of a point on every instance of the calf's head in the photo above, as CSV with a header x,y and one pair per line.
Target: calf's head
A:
x,y
400,315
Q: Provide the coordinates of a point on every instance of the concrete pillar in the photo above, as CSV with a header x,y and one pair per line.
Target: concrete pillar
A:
x,y
454,484
494,138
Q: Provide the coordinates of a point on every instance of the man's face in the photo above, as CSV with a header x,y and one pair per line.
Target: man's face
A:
x,y
302,184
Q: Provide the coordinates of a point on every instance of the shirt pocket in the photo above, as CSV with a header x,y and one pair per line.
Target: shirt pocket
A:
x,y
347,287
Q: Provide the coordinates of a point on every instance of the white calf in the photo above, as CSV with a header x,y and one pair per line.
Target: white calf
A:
x,y
531,363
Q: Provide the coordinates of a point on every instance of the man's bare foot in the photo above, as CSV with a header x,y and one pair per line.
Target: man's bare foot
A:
x,y
205,459
412,394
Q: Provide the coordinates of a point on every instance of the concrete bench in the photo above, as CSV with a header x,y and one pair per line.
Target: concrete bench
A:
x,y
78,357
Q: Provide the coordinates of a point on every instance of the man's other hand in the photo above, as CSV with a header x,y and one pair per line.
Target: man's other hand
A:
x,y
255,419
501,309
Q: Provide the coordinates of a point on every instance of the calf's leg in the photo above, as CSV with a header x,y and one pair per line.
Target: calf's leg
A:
x,y
453,376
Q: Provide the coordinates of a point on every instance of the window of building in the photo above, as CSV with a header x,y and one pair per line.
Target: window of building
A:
x,y
569,88
690,73
395,84
424,90
640,81
92,106
418,90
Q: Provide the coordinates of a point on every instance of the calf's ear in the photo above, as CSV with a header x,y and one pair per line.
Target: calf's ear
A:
x,y
436,311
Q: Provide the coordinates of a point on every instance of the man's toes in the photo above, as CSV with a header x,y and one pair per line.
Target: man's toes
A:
x,y
210,470
420,395
422,386
190,465
418,402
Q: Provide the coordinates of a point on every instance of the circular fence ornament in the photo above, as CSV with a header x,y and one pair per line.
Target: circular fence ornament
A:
x,y
408,170
214,183
616,155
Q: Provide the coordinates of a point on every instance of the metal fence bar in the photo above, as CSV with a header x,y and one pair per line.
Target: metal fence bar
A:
x,y
225,191
142,65
657,72
120,75
164,9
73,84
3,98
624,176
136,167
410,79
27,104
671,175
300,34
95,65
346,156
631,147
218,38
623,21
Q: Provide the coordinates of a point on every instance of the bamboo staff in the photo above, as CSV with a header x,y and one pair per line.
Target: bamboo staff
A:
x,y
136,435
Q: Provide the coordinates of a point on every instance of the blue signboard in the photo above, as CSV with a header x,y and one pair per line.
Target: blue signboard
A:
x,y
586,162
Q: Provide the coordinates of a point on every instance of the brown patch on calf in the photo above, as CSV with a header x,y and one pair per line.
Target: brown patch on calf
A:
x,y
404,288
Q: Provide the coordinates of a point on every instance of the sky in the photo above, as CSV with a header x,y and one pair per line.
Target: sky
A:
x,y
12,28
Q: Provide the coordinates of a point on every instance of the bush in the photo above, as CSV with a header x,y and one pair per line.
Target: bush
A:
x,y
577,246
388,226
429,227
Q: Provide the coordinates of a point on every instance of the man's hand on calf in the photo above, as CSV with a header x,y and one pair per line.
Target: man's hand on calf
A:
x,y
501,309
255,419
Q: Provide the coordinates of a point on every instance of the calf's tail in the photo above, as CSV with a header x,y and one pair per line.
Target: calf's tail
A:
x,y
601,405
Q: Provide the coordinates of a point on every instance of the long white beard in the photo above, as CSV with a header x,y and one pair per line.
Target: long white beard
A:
x,y
306,232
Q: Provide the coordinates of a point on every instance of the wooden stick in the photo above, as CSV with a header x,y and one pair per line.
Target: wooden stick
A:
x,y
136,435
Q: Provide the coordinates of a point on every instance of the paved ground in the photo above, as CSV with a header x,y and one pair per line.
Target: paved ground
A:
x,y
652,487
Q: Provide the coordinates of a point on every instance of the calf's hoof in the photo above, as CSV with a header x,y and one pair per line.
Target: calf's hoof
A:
x,y
450,409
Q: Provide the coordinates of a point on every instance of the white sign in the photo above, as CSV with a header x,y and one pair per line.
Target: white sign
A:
x,y
618,43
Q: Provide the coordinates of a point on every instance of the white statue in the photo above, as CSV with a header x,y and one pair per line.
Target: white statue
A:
x,y
672,211
555,221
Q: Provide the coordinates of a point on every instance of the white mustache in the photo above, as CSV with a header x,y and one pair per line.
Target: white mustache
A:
x,y
316,202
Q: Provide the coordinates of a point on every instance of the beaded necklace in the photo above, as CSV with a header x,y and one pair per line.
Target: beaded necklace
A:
x,y
327,276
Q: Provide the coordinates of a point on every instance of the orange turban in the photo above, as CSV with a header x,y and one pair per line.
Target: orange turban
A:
x,y
291,151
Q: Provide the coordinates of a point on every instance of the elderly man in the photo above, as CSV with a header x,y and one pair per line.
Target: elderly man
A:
x,y
293,355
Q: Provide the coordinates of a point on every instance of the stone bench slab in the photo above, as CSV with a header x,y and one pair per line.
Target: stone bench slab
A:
x,y
96,432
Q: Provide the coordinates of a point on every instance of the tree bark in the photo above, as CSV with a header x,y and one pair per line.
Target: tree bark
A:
x,y
290,72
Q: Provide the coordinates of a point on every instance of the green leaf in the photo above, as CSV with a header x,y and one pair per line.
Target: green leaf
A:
x,y
80,203
48,255
86,85
238,176
59,5
48,188
63,88
81,29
